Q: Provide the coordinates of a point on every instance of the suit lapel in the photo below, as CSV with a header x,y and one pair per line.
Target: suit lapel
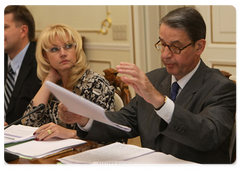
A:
x,y
5,66
25,68
165,86
23,72
193,85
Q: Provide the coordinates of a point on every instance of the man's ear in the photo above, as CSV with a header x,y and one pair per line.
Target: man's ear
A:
x,y
200,45
24,31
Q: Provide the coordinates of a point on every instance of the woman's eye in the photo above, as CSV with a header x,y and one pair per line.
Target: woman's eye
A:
x,y
68,46
54,49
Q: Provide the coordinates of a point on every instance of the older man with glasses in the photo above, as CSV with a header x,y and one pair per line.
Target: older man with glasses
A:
x,y
185,109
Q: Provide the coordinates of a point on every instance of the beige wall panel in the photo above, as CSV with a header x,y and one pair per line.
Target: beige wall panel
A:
x,y
98,65
113,57
83,18
79,17
221,54
223,21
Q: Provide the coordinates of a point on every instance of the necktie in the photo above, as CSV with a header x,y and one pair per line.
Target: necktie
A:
x,y
9,85
174,91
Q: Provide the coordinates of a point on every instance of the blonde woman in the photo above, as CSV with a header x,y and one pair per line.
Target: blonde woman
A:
x,y
61,60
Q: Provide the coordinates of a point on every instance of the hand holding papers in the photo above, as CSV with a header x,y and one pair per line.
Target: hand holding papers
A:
x,y
78,105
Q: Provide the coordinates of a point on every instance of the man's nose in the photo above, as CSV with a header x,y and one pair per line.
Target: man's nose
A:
x,y
166,53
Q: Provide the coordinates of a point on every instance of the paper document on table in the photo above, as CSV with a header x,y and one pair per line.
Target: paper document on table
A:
x,y
109,153
154,158
38,149
82,106
18,133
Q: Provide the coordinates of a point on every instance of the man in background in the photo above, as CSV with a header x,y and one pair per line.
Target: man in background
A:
x,y
20,77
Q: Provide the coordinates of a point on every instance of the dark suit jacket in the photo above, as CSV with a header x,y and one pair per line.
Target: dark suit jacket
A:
x,y
26,86
201,125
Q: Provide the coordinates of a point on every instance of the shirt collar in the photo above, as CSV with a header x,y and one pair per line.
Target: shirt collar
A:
x,y
17,60
183,81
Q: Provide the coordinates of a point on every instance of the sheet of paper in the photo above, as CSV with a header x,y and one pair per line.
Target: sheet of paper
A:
x,y
82,106
110,153
18,133
155,158
38,149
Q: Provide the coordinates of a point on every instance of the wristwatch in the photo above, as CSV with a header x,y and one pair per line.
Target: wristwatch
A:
x,y
165,99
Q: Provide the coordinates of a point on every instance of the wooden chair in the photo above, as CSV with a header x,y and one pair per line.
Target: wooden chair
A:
x,y
121,88
122,95
232,148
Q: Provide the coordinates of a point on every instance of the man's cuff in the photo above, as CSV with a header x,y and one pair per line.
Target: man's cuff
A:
x,y
87,127
166,110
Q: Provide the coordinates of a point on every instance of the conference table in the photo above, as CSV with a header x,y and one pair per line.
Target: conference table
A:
x,y
152,158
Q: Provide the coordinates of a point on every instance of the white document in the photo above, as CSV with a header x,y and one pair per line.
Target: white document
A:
x,y
38,149
18,133
106,154
154,158
82,106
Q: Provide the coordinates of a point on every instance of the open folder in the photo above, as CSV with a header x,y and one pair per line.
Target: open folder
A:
x,y
81,106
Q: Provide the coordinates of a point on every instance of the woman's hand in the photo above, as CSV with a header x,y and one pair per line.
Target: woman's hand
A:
x,y
51,130
53,75
43,93
69,117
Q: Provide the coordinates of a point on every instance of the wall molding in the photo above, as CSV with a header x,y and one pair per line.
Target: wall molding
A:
x,y
101,61
221,46
98,65
226,63
107,46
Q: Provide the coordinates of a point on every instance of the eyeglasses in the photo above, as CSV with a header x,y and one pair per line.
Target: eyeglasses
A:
x,y
66,47
176,50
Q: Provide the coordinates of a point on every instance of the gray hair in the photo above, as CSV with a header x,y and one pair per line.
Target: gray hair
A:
x,y
187,19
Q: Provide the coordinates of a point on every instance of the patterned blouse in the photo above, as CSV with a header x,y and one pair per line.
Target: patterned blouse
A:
x,y
91,86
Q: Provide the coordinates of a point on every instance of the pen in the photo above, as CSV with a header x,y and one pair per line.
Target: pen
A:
x,y
58,153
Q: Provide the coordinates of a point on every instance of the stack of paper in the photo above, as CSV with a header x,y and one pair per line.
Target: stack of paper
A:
x,y
38,149
18,133
107,154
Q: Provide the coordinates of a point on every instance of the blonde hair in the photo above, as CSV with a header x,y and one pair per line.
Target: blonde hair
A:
x,y
48,38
